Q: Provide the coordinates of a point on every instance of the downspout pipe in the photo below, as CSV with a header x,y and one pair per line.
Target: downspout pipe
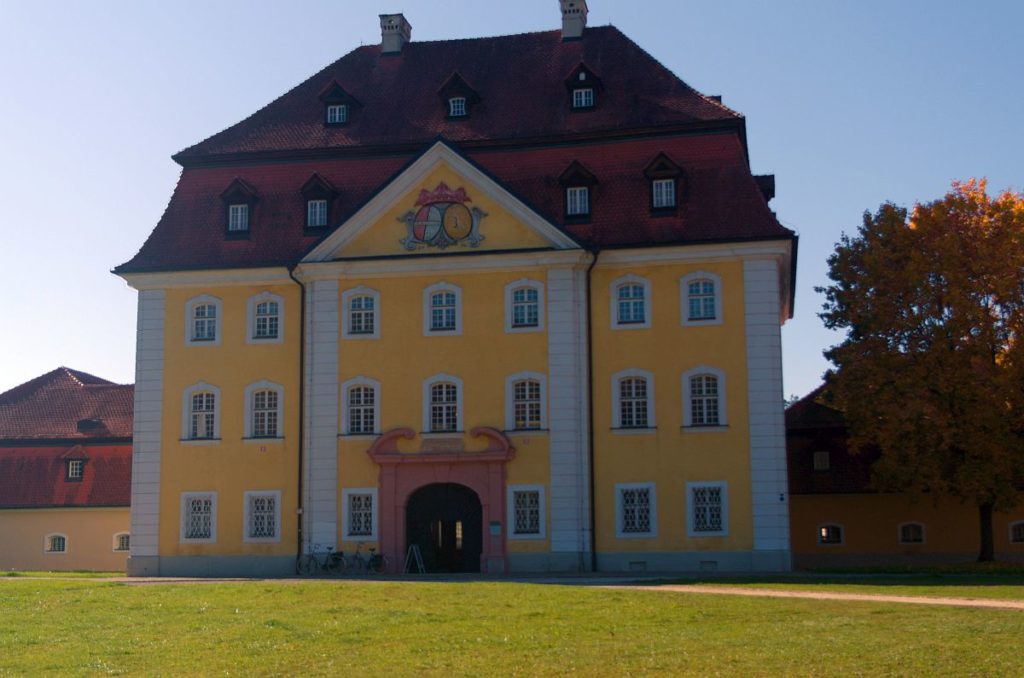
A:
x,y
590,409
300,511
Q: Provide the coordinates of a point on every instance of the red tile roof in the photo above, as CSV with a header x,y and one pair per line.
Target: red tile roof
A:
x,y
66,404
34,477
520,79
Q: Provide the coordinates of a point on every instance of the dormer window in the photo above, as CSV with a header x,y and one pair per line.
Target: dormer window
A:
x,y
663,192
578,182
577,201
238,218
74,469
584,88
457,107
667,182
239,199
319,194
583,97
316,213
337,114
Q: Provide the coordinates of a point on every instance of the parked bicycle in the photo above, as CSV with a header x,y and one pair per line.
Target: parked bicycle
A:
x,y
378,562
327,561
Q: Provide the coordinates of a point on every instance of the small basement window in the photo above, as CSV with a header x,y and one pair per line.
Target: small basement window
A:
x,y
912,533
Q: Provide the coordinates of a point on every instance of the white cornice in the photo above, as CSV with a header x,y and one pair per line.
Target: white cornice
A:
x,y
417,264
208,278
407,180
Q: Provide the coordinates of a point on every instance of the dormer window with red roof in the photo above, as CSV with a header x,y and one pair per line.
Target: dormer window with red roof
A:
x,y
458,96
74,469
319,194
666,178
339,105
578,182
457,107
337,114
583,88
239,199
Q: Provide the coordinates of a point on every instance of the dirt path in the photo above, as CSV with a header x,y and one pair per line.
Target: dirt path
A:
x,y
832,595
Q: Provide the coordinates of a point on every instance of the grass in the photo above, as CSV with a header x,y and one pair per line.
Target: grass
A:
x,y
88,627
68,574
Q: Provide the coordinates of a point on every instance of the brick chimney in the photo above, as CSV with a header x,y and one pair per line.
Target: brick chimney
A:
x,y
395,31
574,18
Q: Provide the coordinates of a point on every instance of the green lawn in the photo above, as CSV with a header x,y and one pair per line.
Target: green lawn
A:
x,y
72,574
91,626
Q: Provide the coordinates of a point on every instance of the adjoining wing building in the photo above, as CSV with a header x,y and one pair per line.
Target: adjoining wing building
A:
x,y
511,302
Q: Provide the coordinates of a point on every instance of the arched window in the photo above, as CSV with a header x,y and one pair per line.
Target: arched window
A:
x,y
700,293
362,401
442,310
265,313
631,302
122,541
203,320
361,306
524,306
444,407
200,413
526,404
830,534
264,405
632,400
911,533
704,403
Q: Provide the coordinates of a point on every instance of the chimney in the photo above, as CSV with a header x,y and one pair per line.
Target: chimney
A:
x,y
574,18
395,31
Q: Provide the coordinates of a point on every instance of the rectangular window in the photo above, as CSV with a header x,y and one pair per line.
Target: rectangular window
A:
x,y
633,403
203,416
75,469
635,510
912,533
706,514
822,460
457,107
701,300
526,505
361,315
1017,533
204,322
663,193
577,200
830,534
337,114
264,414
361,410
267,320
525,307
444,408
442,312
583,97
123,542
198,517
360,515
526,404
631,304
262,512
238,218
316,213
56,544
704,400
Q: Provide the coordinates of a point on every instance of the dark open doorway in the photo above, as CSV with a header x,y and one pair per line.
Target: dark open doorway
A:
x,y
446,521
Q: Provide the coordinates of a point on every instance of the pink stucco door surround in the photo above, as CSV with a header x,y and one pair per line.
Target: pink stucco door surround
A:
x,y
403,473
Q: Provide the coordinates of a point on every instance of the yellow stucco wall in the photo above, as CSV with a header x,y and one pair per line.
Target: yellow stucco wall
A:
x,y
90,538
670,456
230,466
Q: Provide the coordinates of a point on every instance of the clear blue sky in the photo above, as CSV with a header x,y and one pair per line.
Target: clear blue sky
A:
x,y
849,104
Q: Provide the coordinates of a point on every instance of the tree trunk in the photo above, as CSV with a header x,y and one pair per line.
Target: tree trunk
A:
x,y
987,553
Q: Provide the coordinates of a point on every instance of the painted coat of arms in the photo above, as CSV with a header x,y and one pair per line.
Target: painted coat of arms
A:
x,y
442,218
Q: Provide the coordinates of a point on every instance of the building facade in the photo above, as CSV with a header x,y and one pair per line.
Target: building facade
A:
x,y
406,306
65,473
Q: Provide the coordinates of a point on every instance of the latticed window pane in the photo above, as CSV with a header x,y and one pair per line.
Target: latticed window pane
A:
x,y
262,516
1017,533
525,307
636,510
123,542
444,407
457,107
577,200
361,315
264,414
267,320
57,544
701,298
664,192
526,403
203,415
238,218
912,533
707,509
361,405
337,113
526,504
633,403
75,468
360,515
442,311
583,98
631,303
199,518
704,400
204,322
316,213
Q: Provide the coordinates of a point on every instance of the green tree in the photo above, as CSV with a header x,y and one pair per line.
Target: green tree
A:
x,y
932,367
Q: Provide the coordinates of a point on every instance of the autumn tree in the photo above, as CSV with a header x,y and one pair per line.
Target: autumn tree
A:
x,y
931,371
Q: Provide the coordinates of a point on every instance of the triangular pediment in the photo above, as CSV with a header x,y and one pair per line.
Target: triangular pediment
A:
x,y
442,202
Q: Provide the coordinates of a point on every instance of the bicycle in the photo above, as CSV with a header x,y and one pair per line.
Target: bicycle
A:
x,y
378,562
331,562
357,564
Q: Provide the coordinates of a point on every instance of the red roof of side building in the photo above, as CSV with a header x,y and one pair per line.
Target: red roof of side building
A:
x,y
63,415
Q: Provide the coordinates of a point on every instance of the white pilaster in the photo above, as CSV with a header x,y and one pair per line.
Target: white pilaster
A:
x,y
769,487
568,411
149,384
320,382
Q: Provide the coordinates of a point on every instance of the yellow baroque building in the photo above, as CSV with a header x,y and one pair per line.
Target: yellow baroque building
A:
x,y
508,304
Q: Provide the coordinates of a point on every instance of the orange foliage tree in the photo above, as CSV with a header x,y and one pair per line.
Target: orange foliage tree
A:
x,y
932,367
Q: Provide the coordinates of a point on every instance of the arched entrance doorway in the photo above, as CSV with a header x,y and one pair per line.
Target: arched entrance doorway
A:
x,y
445,520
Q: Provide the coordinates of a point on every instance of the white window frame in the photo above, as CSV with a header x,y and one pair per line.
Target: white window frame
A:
x,y
80,466
583,98
309,212
344,418
234,209
459,401
250,320
218,327
842,534
52,535
684,299
724,487
617,402
427,294
186,414
183,517
345,494
250,425
613,293
511,512
899,533
457,107
653,532
339,113
247,510
510,407
669,194
117,538
346,313
723,409
510,290
573,207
